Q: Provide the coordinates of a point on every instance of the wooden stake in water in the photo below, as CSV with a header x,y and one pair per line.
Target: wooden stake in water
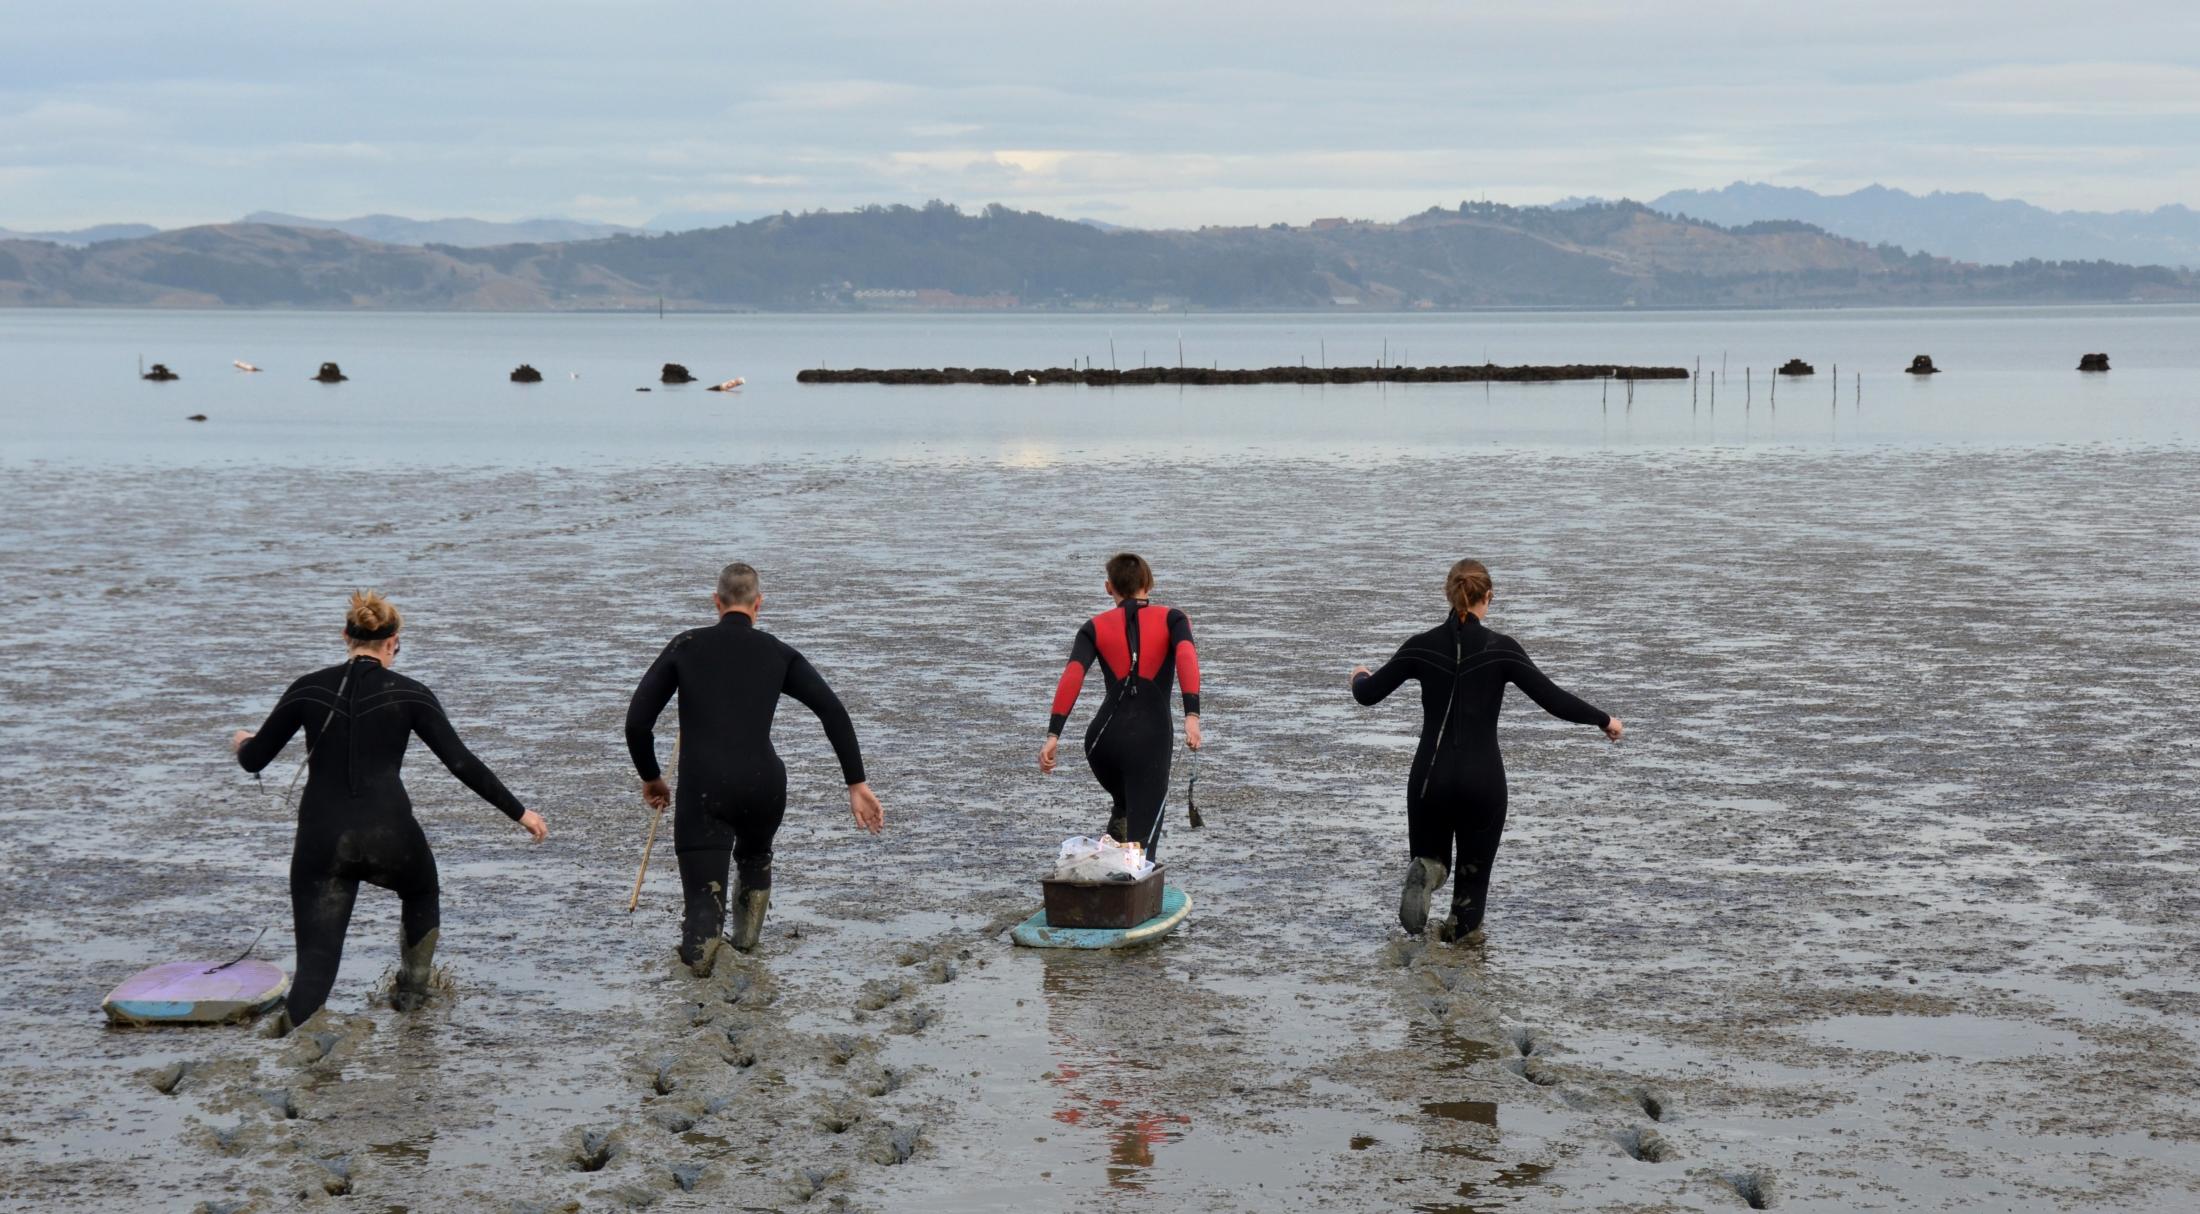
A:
x,y
1111,353
1748,389
1696,382
1180,351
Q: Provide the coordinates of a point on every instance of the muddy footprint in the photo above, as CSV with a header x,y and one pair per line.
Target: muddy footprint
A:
x,y
1645,1144
1654,1104
1755,1188
168,1078
1535,1071
878,995
595,1149
331,1178
896,1145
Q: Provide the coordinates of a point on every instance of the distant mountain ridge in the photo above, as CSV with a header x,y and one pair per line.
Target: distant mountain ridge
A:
x,y
462,232
80,237
1478,255
1962,226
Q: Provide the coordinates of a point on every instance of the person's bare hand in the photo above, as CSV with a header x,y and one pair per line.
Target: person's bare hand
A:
x,y
1357,671
656,793
1047,753
1191,732
1613,729
863,803
238,739
534,825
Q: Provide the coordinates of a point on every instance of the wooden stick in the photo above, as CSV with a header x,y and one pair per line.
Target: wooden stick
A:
x,y
647,847
650,844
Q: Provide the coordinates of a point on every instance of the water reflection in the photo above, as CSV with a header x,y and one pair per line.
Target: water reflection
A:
x,y
1093,1014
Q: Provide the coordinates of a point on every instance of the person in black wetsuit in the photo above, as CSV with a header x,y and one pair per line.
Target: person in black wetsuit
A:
x,y
355,822
1141,647
1456,793
733,787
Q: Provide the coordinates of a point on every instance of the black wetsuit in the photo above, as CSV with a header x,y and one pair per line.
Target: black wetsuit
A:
x,y
355,822
1131,739
1457,789
733,787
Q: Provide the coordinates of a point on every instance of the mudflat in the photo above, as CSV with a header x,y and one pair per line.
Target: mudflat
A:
x,y
1886,902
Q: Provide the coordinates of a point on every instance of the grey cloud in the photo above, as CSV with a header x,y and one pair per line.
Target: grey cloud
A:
x,y
1157,112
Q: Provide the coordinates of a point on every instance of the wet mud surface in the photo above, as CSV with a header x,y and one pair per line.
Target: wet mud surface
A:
x,y
1886,902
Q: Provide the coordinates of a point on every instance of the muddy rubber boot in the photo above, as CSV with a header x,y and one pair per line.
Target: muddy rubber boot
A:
x,y
1423,879
706,959
1118,827
278,1026
748,917
415,969
700,926
1465,924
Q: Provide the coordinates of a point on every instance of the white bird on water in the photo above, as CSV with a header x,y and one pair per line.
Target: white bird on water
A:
x,y
242,365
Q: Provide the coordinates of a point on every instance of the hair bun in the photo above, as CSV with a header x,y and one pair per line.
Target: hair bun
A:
x,y
371,617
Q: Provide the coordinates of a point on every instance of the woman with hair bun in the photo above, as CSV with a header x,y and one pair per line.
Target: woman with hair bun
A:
x,y
1456,794
355,822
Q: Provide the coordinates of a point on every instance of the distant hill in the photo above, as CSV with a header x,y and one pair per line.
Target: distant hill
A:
x,y
1477,255
84,236
465,233
1965,227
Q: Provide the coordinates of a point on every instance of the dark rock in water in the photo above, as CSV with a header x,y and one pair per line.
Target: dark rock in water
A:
x,y
196,417
674,373
1923,365
641,389
2093,362
160,374
1796,366
524,374
330,373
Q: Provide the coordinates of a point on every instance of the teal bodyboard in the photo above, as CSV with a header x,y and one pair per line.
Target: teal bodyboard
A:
x,y
1034,932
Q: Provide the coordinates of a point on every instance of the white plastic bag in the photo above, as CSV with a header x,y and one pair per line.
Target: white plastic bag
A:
x,y
1102,859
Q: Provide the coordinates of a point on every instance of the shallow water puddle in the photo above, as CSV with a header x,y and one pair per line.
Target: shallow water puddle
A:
x,y
1966,1037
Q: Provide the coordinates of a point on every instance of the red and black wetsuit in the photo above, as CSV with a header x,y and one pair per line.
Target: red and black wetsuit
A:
x,y
1456,795
1132,736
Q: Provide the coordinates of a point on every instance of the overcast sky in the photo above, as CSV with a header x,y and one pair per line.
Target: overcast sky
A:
x,y
1196,111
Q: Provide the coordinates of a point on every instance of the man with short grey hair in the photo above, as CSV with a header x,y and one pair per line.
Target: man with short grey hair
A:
x,y
733,787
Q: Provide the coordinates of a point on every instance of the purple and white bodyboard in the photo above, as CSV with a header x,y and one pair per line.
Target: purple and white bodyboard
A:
x,y
183,992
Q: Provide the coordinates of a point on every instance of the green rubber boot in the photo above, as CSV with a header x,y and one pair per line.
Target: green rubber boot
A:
x,y
415,969
748,918
1423,879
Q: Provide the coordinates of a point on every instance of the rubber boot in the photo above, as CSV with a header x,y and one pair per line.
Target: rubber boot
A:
x,y
1118,827
706,959
1423,879
415,969
748,917
700,927
1465,924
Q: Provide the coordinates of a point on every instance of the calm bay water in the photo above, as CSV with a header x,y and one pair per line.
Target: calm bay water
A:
x,y
431,389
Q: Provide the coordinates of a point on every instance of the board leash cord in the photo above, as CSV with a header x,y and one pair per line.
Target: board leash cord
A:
x,y
240,956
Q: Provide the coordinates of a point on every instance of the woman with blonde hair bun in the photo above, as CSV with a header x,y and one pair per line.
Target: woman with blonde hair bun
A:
x,y
1456,794
355,822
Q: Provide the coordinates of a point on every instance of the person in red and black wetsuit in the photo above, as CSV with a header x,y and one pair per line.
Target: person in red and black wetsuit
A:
x,y
1141,647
